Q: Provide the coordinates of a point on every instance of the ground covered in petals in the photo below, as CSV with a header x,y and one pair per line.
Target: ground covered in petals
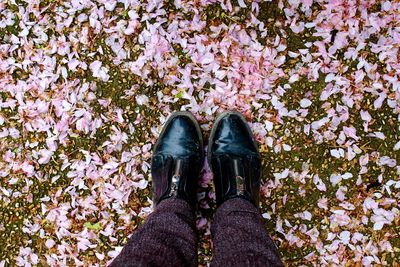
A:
x,y
85,87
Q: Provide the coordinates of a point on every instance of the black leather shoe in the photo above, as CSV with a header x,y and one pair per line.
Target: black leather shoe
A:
x,y
234,159
177,159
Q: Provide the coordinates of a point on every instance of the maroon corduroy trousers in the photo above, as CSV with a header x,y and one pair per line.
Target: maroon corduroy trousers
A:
x,y
168,237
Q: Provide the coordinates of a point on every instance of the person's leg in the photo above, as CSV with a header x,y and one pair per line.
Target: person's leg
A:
x,y
238,232
239,236
167,238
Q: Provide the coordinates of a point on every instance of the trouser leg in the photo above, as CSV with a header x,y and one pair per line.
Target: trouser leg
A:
x,y
167,238
240,238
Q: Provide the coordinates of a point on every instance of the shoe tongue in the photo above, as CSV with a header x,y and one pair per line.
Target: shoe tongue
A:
x,y
238,169
235,169
178,167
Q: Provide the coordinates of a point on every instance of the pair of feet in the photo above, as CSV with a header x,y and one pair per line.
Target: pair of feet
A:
x,y
232,155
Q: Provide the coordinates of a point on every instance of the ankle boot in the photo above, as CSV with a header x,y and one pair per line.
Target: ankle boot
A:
x,y
234,159
177,159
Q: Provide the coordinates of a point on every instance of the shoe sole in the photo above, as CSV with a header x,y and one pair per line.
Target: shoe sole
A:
x,y
214,129
192,119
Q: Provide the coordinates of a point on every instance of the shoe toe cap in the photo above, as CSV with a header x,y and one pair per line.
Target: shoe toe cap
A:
x,y
180,137
233,136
